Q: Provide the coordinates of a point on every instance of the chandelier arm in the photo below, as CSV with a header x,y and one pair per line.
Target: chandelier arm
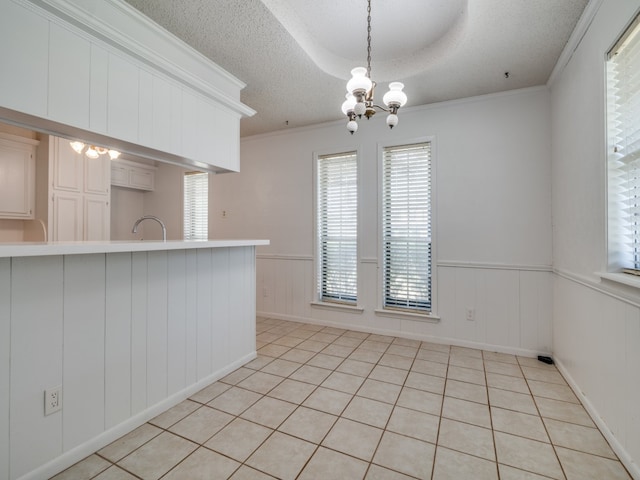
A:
x,y
381,108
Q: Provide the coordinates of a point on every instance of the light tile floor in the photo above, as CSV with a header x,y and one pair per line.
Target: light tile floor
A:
x,y
325,403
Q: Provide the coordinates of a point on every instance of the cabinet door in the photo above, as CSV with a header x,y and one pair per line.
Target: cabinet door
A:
x,y
141,178
67,217
122,99
17,180
24,56
69,77
119,175
97,219
97,175
67,167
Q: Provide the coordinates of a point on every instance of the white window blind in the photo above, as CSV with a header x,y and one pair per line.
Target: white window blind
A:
x,y
623,124
337,217
406,227
196,206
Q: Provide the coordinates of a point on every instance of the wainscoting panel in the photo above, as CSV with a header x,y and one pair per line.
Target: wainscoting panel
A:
x,y
36,361
510,304
223,285
127,335
596,339
5,363
157,335
285,285
204,313
118,339
176,321
83,349
139,302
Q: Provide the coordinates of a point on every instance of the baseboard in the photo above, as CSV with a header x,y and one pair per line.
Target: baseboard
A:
x,y
617,447
73,456
523,352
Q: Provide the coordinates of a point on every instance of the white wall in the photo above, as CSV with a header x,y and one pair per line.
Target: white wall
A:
x,y
166,202
596,332
492,218
127,206
126,335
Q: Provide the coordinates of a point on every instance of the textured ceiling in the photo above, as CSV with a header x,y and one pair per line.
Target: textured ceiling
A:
x,y
294,55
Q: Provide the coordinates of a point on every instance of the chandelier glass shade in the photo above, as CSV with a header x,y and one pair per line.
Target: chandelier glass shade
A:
x,y
94,152
359,98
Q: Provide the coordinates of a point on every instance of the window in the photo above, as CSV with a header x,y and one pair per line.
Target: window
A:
x,y
196,206
406,227
337,227
623,150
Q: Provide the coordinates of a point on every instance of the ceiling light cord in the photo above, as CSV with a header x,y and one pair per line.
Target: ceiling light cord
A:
x,y
359,97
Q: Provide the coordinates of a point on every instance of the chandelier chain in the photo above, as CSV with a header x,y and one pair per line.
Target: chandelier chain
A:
x,y
359,98
369,39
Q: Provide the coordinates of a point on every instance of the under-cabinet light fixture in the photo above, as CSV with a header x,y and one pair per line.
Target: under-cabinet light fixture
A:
x,y
94,152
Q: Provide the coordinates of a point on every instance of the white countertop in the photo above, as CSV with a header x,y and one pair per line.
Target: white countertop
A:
x,y
34,249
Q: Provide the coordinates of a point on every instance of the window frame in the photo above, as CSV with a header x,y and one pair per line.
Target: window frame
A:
x,y
185,175
318,300
393,312
616,260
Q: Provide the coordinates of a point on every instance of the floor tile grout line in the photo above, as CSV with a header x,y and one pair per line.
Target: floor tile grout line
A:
x,y
444,391
285,331
555,452
486,388
319,444
493,431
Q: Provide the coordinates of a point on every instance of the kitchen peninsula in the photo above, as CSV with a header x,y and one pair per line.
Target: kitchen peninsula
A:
x,y
125,330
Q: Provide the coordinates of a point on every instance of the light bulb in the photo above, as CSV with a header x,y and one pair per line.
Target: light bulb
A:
x,y
77,146
352,126
359,108
359,81
113,154
395,96
92,152
348,104
392,120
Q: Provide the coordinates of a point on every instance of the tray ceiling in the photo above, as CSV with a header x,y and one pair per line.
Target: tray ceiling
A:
x,y
295,55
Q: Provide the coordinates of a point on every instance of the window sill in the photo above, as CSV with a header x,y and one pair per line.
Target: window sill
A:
x,y
624,278
338,306
418,317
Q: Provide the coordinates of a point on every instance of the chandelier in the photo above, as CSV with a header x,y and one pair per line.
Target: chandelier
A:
x,y
359,97
93,151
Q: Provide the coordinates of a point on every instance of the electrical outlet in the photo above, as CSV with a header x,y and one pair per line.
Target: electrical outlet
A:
x,y
52,400
471,314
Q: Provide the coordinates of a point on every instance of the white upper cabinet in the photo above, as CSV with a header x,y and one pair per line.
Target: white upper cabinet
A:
x,y
89,69
123,99
133,175
24,59
99,89
17,176
69,77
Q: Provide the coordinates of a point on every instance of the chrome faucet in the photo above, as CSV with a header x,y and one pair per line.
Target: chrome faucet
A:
x,y
151,217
